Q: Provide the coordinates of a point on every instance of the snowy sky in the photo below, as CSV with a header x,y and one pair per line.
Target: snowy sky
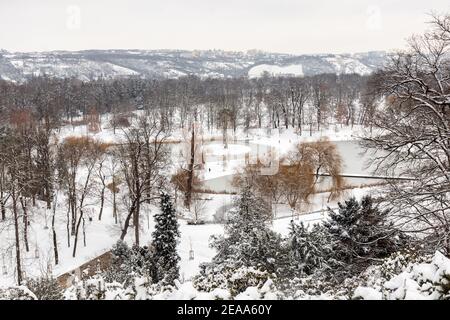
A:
x,y
291,26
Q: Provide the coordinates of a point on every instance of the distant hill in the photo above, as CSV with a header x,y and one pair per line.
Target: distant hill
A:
x,y
94,64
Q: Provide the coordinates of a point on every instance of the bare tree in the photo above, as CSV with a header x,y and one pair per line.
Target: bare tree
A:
x,y
320,96
54,237
299,95
113,186
71,155
265,186
143,159
412,133
316,159
94,151
101,174
198,210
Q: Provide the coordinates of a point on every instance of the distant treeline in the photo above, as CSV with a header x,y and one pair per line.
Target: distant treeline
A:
x,y
304,103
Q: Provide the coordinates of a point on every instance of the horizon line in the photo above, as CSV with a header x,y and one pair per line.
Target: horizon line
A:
x,y
247,51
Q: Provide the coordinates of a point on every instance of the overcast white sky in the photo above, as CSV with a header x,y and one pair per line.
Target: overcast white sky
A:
x,y
291,26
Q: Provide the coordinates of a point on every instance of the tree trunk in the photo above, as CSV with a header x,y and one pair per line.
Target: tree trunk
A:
x,y
300,120
68,224
224,134
136,223
84,232
74,252
2,201
25,223
16,233
319,116
190,172
47,194
55,243
73,207
127,221
102,202
3,209
114,202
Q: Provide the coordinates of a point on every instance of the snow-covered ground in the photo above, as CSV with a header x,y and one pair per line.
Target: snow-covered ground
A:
x,y
101,235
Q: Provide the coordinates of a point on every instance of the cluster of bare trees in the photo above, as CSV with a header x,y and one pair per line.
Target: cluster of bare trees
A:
x,y
311,102
137,164
72,176
77,154
26,165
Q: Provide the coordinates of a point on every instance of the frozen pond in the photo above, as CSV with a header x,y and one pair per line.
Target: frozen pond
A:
x,y
355,162
356,159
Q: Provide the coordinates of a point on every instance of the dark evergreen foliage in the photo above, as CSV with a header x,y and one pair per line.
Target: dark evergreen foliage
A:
x,y
361,232
165,239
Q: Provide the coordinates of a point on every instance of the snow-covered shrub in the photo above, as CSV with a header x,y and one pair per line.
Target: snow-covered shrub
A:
x,y
95,288
243,278
400,260
45,288
128,263
318,286
17,293
233,280
427,280
266,291
211,277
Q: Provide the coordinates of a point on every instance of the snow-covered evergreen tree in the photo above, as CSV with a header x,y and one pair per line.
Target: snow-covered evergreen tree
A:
x,y
377,236
342,226
248,240
120,252
361,232
165,239
248,243
119,269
